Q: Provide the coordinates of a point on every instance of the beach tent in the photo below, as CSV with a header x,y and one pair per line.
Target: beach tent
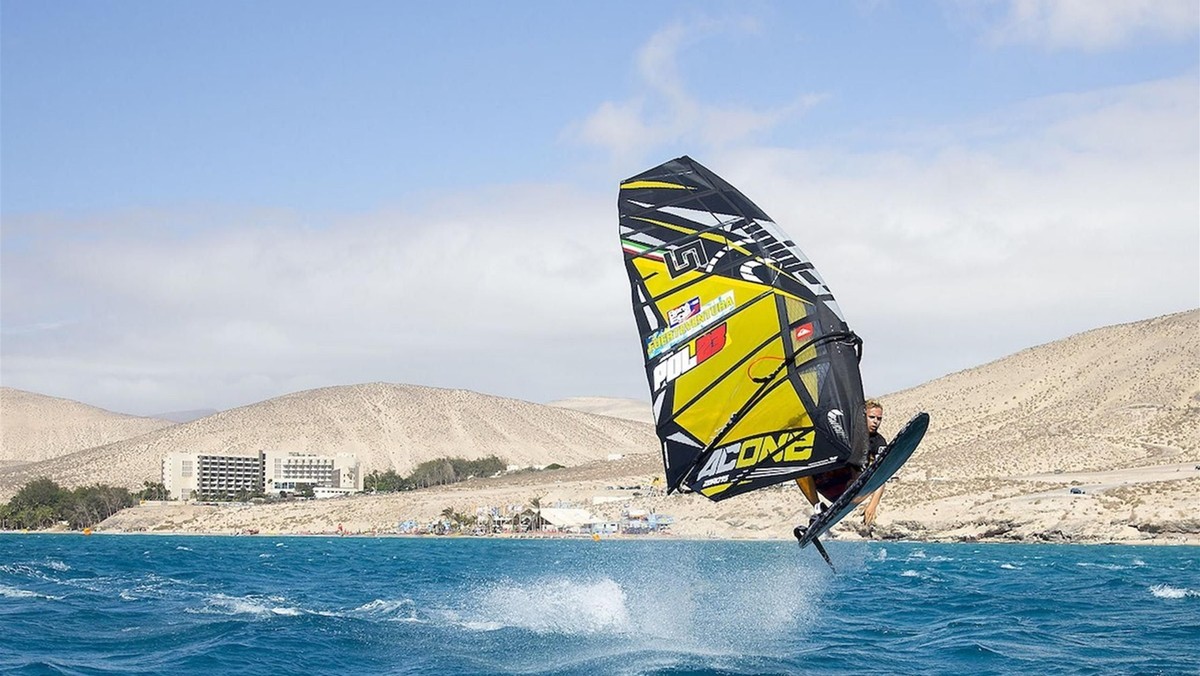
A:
x,y
567,519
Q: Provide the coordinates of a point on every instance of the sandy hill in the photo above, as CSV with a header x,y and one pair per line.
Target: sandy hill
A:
x,y
629,409
1120,396
36,427
386,425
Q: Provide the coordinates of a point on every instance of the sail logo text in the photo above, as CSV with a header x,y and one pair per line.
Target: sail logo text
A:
x,y
710,312
779,449
684,360
690,256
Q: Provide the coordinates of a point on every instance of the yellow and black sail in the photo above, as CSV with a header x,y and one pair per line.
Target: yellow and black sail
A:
x,y
753,372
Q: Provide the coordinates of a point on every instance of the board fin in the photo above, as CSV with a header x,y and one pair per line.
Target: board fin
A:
x,y
800,531
824,554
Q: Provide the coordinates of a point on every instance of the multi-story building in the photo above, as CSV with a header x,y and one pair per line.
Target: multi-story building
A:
x,y
189,475
186,475
284,471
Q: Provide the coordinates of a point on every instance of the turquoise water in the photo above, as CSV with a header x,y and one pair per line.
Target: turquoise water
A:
x,y
71,604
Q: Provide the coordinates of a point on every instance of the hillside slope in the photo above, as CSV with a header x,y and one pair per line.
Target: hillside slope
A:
x,y
629,409
36,427
1110,398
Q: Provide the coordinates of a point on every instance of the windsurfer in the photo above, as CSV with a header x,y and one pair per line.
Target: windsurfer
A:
x,y
875,443
832,484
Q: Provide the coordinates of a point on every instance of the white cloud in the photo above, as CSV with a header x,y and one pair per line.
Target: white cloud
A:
x,y
619,127
948,248
499,293
1094,24
663,113
1063,215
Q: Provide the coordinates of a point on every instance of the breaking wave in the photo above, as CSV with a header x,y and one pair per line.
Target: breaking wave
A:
x,y
1166,591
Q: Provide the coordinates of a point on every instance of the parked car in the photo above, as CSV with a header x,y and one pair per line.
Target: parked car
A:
x,y
1077,490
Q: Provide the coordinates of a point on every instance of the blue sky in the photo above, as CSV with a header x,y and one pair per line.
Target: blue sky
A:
x,y
209,204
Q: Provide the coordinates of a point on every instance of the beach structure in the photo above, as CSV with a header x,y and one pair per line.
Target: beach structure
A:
x,y
566,520
188,475
636,521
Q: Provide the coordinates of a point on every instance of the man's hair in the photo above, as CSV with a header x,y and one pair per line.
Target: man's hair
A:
x,y
871,403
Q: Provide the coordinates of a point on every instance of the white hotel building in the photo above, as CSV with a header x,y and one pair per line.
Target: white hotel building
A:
x,y
186,475
329,475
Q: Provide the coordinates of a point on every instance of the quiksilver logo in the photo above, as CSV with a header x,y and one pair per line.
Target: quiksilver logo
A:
x,y
835,423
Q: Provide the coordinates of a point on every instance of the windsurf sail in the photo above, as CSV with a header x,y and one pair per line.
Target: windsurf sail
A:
x,y
753,372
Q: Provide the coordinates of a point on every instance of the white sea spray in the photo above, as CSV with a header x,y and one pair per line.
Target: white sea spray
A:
x,y
17,593
1166,591
247,605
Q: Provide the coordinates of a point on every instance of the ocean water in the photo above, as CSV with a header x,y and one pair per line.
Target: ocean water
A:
x,y
71,604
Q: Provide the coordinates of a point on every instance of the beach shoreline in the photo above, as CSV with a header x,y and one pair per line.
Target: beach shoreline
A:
x,y
1179,541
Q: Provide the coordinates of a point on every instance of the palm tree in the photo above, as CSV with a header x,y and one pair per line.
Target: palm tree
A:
x,y
464,519
536,503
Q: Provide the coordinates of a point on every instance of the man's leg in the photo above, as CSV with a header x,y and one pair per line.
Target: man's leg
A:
x,y
809,488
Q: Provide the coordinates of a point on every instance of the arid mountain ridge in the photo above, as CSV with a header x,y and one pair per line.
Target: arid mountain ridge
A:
x,y
1110,398
36,427
1116,410
388,426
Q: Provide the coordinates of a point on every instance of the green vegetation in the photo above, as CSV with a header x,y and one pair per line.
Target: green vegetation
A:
x,y
41,503
458,518
547,468
433,473
384,482
154,491
536,503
